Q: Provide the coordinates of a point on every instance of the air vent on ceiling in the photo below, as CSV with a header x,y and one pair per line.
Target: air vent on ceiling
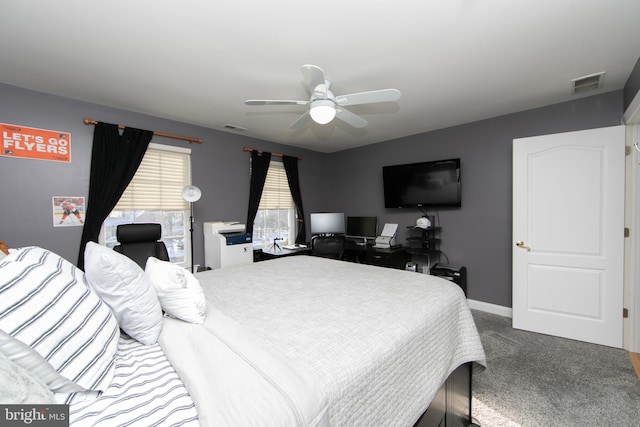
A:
x,y
587,83
234,127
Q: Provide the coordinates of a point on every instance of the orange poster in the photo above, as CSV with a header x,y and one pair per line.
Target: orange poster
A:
x,y
33,143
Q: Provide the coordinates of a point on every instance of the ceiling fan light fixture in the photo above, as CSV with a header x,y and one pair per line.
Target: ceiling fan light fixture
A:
x,y
323,106
322,111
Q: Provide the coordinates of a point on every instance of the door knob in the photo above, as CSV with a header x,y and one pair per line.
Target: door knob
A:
x,y
521,244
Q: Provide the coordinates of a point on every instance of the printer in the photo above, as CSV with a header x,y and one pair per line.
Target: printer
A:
x,y
226,243
387,239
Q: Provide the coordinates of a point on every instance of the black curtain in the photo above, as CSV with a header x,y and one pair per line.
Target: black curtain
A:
x,y
115,158
259,167
291,168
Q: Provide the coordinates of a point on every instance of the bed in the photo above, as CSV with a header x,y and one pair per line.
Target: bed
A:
x,y
300,341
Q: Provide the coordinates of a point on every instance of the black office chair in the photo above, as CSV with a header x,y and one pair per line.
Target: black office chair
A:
x,y
140,241
328,246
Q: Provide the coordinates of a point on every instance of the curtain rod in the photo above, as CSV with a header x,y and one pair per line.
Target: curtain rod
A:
x,y
166,135
249,150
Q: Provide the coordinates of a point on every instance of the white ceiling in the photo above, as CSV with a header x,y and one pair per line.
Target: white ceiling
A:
x,y
197,61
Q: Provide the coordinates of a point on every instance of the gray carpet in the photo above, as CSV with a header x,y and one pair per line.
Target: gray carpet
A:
x,y
540,380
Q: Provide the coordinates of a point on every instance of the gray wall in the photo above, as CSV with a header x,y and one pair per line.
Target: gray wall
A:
x,y
478,235
220,168
632,86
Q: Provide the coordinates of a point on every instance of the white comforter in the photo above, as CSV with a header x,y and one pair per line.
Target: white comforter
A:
x,y
378,342
235,382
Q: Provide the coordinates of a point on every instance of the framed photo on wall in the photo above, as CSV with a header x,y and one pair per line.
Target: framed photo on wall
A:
x,y
68,211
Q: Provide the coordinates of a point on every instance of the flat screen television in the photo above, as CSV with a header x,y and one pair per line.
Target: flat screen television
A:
x,y
425,184
327,223
362,228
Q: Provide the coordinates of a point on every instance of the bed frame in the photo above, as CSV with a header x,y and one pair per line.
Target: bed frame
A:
x,y
452,404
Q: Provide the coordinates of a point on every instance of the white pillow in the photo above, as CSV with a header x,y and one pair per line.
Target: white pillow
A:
x,y
123,285
178,290
45,303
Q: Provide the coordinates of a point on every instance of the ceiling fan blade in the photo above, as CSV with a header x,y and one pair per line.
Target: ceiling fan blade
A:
x,y
302,120
274,102
383,95
350,118
315,79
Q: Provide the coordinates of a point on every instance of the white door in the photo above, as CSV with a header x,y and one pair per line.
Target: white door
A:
x,y
568,232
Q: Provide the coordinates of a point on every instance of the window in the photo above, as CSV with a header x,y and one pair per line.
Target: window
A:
x,y
276,217
155,195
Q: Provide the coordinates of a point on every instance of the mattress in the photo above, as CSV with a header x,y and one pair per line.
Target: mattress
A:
x,y
378,342
146,391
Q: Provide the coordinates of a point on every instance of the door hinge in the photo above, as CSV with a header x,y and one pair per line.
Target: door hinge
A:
x,y
627,150
625,313
626,232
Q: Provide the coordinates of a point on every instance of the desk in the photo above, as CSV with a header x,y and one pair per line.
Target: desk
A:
x,y
396,257
265,254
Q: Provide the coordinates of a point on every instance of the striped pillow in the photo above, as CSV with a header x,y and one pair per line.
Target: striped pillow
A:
x,y
45,302
25,363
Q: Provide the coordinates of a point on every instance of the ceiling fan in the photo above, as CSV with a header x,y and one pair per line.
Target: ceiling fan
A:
x,y
324,106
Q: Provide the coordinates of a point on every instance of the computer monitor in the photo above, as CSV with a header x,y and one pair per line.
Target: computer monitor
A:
x,y
362,228
329,223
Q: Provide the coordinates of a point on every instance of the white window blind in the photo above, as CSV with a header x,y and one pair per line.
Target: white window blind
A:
x,y
159,180
276,193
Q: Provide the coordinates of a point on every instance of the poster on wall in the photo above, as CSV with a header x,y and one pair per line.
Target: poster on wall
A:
x,y
68,211
33,143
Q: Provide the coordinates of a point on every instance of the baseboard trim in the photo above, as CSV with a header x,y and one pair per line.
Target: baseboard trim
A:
x,y
500,310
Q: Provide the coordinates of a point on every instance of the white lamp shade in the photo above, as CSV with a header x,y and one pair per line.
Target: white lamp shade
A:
x,y
191,193
322,111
